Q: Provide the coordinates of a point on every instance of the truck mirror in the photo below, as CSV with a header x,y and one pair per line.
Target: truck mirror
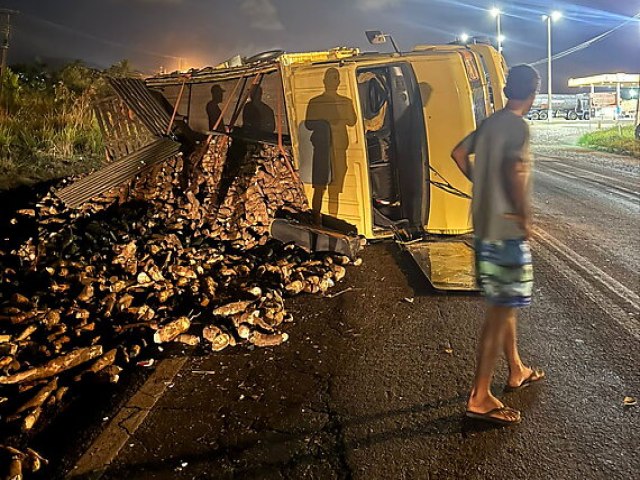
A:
x,y
375,37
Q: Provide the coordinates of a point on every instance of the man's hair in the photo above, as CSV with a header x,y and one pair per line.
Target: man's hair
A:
x,y
522,82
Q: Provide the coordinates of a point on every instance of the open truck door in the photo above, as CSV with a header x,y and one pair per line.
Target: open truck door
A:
x,y
448,108
448,264
444,79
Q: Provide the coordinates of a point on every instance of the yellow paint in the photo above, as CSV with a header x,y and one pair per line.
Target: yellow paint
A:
x,y
448,111
494,62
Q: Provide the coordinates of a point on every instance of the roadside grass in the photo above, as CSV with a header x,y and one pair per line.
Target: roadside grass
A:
x,y
616,140
47,126
46,143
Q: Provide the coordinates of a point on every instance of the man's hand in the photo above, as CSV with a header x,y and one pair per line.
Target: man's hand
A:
x,y
461,156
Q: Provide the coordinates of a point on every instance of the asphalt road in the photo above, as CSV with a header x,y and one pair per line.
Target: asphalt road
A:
x,y
372,383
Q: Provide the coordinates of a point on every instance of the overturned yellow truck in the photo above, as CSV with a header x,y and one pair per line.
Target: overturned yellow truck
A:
x,y
371,134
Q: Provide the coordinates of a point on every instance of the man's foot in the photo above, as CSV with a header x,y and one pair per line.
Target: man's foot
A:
x,y
501,415
492,410
523,378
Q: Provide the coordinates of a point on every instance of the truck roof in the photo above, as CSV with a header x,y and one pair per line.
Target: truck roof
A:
x,y
332,56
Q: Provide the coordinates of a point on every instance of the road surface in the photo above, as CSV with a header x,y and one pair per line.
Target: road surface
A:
x,y
373,382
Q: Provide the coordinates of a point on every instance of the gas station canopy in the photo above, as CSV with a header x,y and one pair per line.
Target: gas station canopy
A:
x,y
622,80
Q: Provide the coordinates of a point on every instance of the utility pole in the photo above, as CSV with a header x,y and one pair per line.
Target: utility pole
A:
x,y
5,33
638,106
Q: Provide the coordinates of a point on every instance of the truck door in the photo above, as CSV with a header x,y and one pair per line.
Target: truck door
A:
x,y
448,111
448,106
396,146
328,143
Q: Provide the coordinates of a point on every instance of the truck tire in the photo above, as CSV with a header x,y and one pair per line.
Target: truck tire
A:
x,y
534,116
586,116
572,115
543,115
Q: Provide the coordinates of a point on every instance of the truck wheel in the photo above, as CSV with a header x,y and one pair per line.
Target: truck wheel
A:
x,y
543,115
586,116
534,116
572,115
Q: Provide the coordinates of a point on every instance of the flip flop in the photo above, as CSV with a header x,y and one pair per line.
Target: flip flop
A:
x,y
536,375
491,418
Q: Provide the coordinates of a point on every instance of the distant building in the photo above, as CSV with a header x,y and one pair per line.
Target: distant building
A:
x,y
620,97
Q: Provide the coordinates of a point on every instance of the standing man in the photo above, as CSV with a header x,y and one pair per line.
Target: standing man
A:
x,y
501,176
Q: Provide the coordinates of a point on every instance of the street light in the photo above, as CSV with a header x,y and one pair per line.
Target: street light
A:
x,y
496,13
552,17
464,37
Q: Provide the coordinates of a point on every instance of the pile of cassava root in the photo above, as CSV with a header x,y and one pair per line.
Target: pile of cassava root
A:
x,y
181,254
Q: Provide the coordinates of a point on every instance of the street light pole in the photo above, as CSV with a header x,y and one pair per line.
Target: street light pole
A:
x,y
499,33
553,16
497,13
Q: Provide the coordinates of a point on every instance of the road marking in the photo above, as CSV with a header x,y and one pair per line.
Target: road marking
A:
x,y
603,279
631,180
622,193
608,185
98,457
587,174
613,180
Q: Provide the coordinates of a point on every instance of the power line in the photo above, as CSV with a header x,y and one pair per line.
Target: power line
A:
x,y
587,43
104,41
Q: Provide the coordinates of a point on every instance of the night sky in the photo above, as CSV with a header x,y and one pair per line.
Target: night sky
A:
x,y
153,33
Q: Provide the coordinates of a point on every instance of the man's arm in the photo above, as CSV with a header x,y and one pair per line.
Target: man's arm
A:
x,y
460,155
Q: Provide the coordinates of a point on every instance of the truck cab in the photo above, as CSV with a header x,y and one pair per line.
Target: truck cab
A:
x,y
392,162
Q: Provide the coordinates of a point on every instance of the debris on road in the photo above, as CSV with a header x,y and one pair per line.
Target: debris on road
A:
x,y
19,461
93,290
629,401
341,292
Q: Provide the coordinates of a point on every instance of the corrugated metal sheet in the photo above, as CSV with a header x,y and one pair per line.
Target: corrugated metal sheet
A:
x,y
148,108
118,172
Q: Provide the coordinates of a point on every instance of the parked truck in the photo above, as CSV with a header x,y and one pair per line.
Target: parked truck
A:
x,y
568,106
